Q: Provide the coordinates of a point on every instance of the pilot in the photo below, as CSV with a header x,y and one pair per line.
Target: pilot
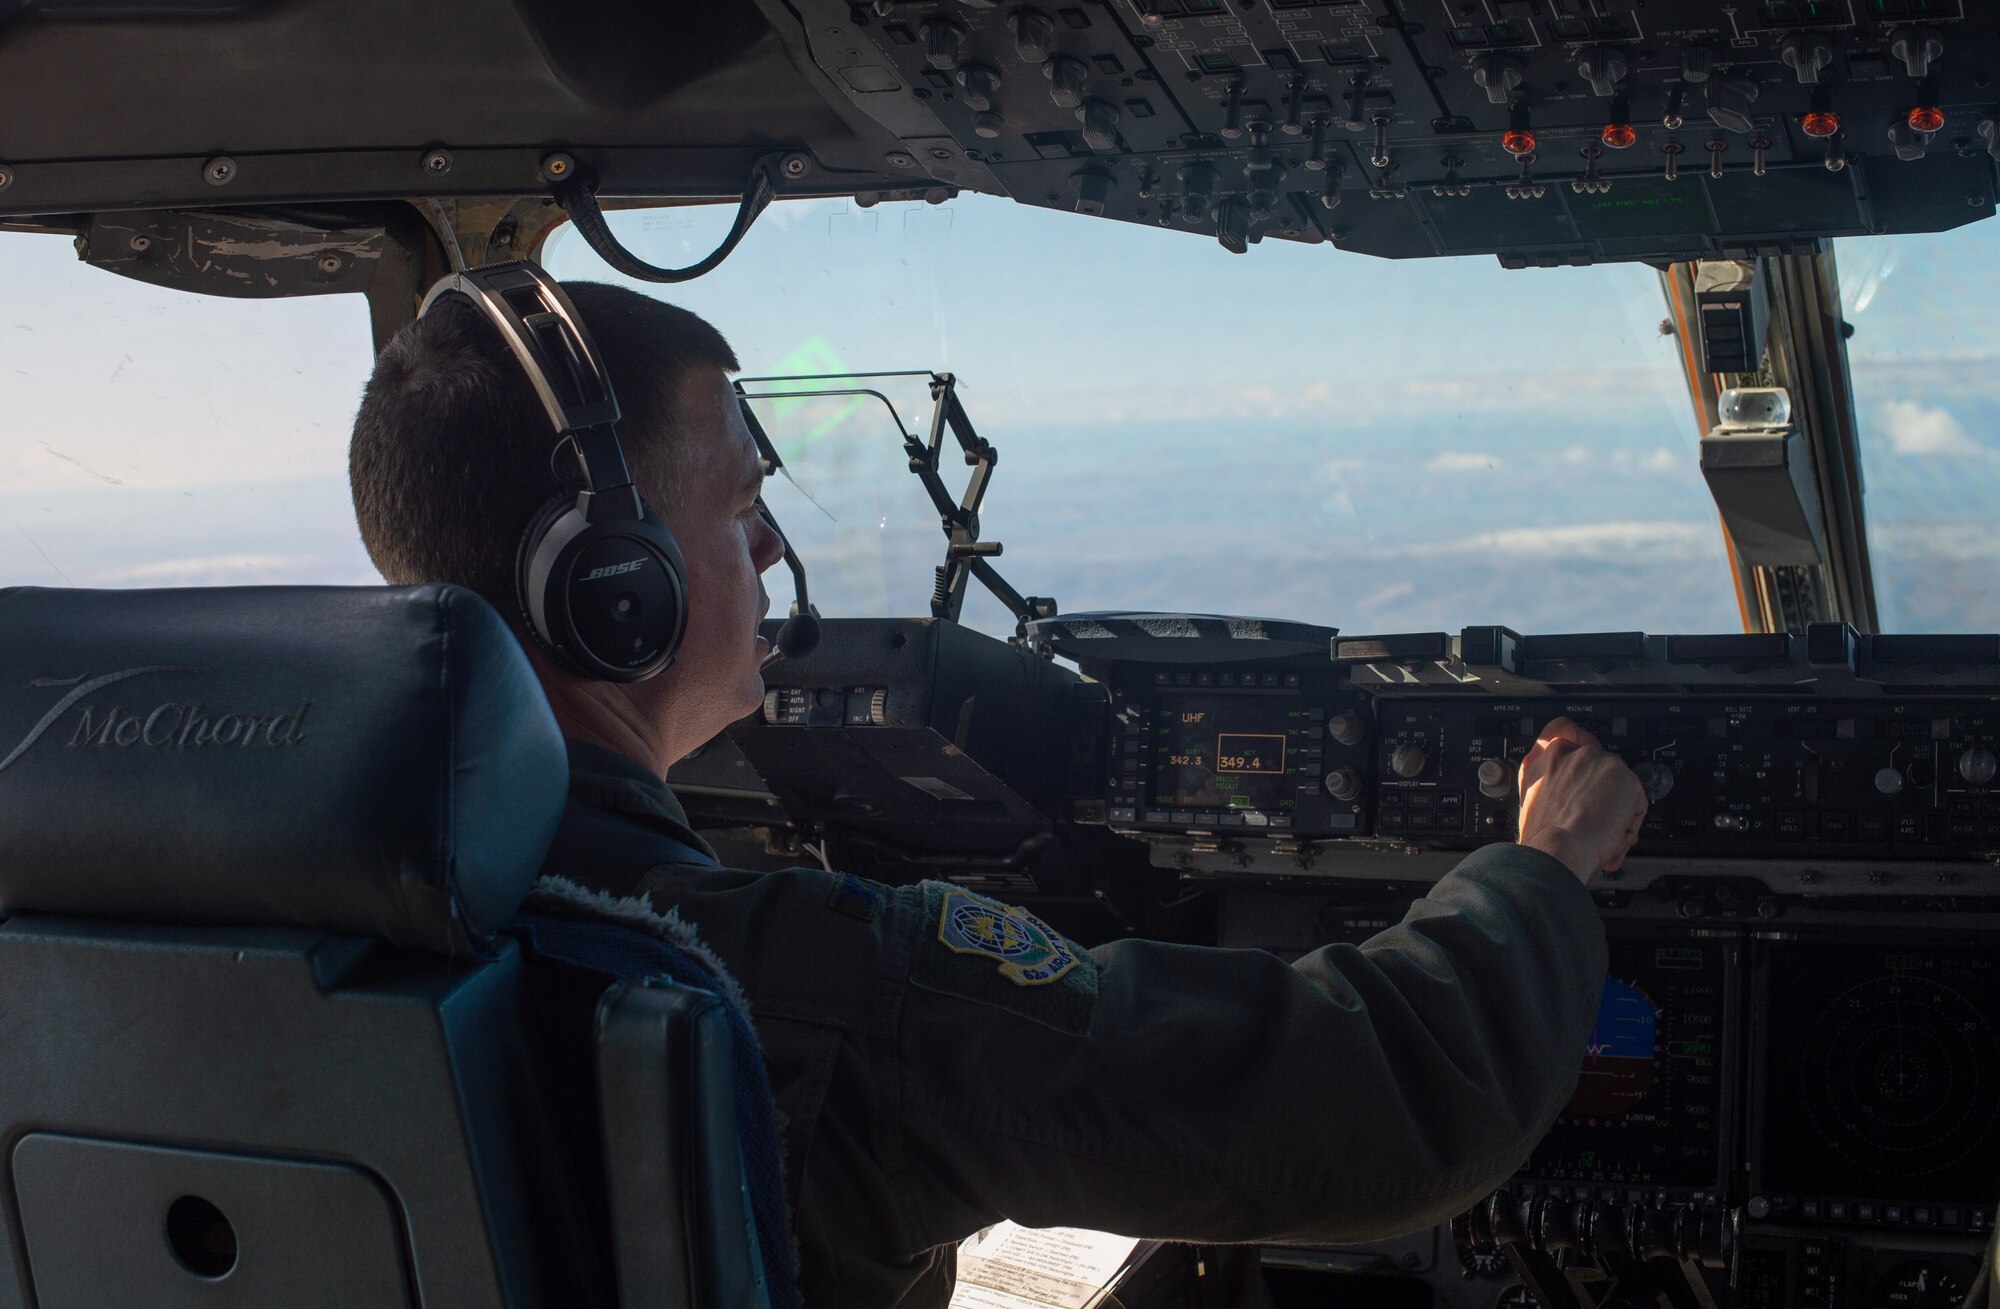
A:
x,y
941,1061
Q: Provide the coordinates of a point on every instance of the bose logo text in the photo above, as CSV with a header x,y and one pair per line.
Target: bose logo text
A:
x,y
613,570
173,725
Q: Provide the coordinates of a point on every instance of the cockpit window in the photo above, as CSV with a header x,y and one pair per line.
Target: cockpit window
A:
x,y
1926,339
1302,433
161,438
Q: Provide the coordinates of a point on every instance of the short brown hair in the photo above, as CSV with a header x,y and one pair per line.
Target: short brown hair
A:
x,y
451,452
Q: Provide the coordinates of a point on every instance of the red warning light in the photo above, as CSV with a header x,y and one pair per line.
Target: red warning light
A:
x,y
1517,142
1820,122
1619,136
1926,118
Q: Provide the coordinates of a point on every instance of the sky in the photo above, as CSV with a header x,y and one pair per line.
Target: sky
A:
x,y
1299,432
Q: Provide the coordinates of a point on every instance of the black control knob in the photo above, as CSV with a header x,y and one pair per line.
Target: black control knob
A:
x,y
1093,190
1348,729
1496,780
1806,53
1343,784
1033,31
1100,124
1604,67
944,40
1888,781
1977,765
1730,103
1232,225
1497,75
1197,192
1656,777
1408,761
1066,77
1916,46
981,83
1696,61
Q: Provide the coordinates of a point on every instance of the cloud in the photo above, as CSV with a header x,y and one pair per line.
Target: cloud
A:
x,y
1662,461
1459,461
1617,539
234,570
1920,430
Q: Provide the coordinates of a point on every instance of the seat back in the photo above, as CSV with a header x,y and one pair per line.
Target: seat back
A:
x,y
264,1045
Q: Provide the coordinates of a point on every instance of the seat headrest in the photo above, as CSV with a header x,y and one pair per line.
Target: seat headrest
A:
x,y
374,761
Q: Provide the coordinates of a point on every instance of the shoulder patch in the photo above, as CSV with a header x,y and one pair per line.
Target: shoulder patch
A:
x,y
979,949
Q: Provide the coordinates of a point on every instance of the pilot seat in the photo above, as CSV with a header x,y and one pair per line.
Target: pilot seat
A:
x,y
272,1030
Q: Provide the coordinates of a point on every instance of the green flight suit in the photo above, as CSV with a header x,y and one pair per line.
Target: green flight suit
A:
x,y
942,1061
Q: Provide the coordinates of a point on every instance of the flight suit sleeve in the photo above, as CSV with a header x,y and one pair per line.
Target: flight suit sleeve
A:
x,y
1202,1094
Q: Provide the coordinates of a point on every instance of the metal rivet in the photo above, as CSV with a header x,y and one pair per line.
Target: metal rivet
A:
x,y
897,159
329,263
6,178
939,152
219,171
796,165
557,167
140,243
438,162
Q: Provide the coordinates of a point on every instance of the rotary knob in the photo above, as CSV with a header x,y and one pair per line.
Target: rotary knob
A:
x,y
1730,102
1066,77
1888,781
1346,728
1657,778
878,708
1497,75
1977,765
944,38
774,706
1603,66
1407,761
1343,784
1806,54
1496,780
981,83
1916,47
1100,124
1033,30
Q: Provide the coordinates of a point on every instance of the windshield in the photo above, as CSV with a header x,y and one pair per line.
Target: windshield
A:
x,y
1299,433
163,438
1926,338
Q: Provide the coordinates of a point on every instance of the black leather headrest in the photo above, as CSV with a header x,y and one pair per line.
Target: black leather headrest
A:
x,y
373,761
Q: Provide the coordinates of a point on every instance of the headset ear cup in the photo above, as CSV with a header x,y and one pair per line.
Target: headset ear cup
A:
x,y
608,599
539,609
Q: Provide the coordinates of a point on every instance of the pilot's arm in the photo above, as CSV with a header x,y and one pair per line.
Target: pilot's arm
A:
x,y
1190,1093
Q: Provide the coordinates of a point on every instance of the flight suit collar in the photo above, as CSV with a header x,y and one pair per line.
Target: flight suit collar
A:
x,y
604,779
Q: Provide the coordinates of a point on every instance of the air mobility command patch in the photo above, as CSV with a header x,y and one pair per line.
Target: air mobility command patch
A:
x,y
979,949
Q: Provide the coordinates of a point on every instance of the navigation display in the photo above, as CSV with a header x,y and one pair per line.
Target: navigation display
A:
x,y
1884,1077
1647,1110
1228,752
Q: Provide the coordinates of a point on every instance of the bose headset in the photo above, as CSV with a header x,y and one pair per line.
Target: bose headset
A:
x,y
600,579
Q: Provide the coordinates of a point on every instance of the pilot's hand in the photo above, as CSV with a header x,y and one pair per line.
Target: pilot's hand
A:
x,y
1579,802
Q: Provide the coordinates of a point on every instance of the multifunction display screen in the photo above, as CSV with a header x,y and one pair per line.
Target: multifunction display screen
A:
x,y
1884,1074
1648,1107
1228,752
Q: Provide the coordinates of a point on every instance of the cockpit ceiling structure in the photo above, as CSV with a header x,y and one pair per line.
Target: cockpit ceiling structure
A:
x,y
1542,131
